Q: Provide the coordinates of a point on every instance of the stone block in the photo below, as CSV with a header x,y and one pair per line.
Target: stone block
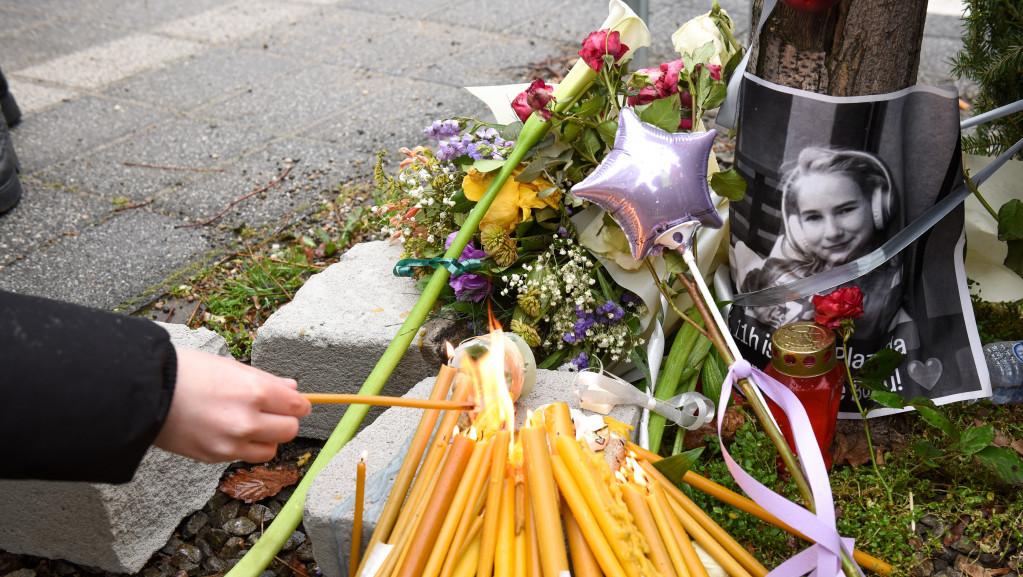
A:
x,y
331,335
113,527
330,501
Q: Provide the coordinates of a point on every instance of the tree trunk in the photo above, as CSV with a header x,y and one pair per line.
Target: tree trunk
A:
x,y
856,48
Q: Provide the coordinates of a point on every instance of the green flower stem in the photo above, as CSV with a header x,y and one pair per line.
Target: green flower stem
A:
x,y
275,535
866,424
976,191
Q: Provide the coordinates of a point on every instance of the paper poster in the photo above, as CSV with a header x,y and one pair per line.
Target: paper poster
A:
x,y
831,179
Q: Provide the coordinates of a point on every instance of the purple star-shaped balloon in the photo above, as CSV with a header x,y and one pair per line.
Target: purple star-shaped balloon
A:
x,y
653,181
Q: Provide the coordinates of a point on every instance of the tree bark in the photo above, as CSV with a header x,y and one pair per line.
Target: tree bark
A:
x,y
855,48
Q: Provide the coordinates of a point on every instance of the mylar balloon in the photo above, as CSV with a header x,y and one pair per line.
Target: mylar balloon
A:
x,y
651,181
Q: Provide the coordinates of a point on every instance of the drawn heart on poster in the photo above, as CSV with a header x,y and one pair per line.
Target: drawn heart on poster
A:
x,y
925,374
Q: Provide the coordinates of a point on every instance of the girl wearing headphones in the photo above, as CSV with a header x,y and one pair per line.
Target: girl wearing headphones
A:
x,y
836,206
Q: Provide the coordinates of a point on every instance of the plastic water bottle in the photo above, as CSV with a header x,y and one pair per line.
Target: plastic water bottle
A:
x,y
1005,364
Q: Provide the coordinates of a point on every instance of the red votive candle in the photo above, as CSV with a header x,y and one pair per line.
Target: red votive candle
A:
x,y
803,360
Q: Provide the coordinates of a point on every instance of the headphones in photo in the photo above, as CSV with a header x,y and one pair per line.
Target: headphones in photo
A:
x,y
881,198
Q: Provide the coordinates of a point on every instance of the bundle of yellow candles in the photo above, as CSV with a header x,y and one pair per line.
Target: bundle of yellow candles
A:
x,y
536,502
481,499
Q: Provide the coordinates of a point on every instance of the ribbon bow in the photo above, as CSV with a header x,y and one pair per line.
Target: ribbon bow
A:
x,y
688,410
822,559
404,267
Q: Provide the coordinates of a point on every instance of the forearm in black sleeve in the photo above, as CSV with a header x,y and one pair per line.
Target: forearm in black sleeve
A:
x,y
83,392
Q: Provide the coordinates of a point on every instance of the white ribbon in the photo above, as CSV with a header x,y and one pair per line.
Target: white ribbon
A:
x,y
688,410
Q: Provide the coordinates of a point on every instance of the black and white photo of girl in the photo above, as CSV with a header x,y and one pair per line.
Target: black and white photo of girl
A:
x,y
832,179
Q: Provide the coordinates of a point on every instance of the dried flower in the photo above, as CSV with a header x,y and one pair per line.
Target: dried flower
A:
x,y
527,332
535,98
499,244
599,43
529,302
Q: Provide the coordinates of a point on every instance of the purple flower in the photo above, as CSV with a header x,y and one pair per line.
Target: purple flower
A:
x,y
441,129
581,361
468,287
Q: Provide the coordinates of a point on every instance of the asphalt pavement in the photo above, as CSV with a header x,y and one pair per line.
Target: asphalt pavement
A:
x,y
143,118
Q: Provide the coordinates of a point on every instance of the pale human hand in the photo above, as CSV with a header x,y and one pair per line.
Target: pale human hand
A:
x,y
224,410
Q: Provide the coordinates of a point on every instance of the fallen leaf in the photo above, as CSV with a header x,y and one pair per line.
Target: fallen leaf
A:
x,y
973,570
259,483
1017,446
1001,439
850,446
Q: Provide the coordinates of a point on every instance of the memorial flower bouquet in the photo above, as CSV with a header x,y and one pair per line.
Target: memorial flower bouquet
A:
x,y
547,265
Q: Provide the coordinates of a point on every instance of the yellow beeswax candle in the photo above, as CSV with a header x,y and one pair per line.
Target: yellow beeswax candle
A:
x,y
584,518
543,494
584,564
492,506
680,548
439,502
644,520
360,491
504,553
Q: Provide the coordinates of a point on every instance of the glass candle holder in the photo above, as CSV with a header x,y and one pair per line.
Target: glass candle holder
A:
x,y
803,359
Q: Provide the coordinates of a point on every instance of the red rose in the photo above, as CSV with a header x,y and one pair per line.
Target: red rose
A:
x,y
599,43
536,97
844,303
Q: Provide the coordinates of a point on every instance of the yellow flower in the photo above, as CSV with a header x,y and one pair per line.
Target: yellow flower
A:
x,y
515,201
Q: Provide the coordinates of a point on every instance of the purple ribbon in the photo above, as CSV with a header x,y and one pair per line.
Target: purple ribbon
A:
x,y
822,559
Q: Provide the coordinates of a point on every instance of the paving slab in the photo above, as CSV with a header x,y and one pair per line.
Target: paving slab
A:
x,y
21,234
179,142
116,528
200,80
331,335
234,21
330,501
107,265
76,128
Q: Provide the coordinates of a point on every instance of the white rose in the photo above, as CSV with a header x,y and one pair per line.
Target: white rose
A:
x,y
694,34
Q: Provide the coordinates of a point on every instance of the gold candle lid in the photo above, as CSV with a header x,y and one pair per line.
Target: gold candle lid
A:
x,y
803,349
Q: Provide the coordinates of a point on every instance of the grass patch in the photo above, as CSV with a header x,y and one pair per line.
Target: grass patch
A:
x,y
236,295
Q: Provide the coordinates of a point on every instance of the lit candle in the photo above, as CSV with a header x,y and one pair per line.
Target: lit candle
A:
x,y
403,481
644,520
543,494
585,519
360,491
440,501
533,568
471,513
492,511
680,548
454,513
704,525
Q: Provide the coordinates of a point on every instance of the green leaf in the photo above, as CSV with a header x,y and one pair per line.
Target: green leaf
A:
x,y
533,170
639,359
888,399
462,204
664,113
1005,462
714,95
1014,257
590,144
729,184
608,130
704,53
976,438
675,264
927,450
878,368
676,467
713,376
590,107
938,419
487,165
1010,220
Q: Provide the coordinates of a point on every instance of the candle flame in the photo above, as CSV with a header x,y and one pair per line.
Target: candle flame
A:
x,y
450,350
472,433
490,381
621,478
637,472
455,431
365,454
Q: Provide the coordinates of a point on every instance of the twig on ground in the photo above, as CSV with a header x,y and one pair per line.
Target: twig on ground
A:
x,y
168,317
236,201
191,318
139,205
144,165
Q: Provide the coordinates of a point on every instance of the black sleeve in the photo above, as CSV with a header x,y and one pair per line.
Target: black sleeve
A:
x,y
83,392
